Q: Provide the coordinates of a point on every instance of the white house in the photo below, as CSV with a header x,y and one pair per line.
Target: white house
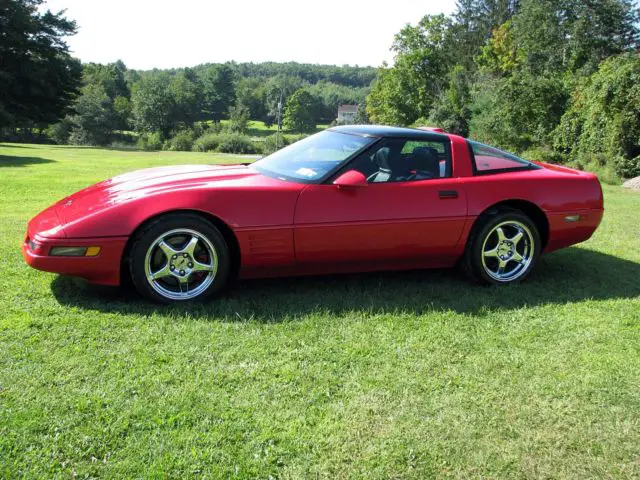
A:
x,y
347,113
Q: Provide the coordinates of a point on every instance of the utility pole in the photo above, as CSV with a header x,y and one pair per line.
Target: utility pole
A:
x,y
279,119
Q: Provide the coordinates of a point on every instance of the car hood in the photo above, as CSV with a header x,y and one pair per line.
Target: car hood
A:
x,y
143,183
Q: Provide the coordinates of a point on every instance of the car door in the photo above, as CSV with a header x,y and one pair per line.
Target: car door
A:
x,y
405,215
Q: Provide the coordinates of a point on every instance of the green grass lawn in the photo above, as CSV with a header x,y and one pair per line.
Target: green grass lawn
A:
x,y
391,375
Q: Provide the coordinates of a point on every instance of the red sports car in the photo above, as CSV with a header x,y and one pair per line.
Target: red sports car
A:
x,y
352,198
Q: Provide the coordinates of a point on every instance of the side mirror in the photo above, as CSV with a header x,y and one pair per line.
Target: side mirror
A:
x,y
351,179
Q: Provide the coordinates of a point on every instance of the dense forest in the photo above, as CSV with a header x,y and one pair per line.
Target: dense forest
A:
x,y
553,80
49,96
158,104
116,104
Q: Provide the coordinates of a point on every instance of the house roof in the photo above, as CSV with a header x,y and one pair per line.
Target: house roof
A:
x,y
348,109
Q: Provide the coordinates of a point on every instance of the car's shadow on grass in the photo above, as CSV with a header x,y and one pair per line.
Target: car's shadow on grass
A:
x,y
570,275
11,161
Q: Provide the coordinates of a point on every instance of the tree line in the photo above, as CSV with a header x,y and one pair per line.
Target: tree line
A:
x,y
549,79
114,99
553,79
95,104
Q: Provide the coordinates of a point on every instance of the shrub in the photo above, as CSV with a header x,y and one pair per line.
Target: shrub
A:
x,y
603,167
604,117
181,141
206,143
542,154
628,167
295,138
150,142
214,127
79,136
270,142
60,132
227,142
237,143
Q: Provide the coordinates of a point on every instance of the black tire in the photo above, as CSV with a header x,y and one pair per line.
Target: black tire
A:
x,y
208,236
484,241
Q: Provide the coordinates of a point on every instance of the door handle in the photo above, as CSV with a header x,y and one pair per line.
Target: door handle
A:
x,y
447,194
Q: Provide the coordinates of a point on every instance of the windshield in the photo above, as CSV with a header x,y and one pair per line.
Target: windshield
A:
x,y
309,160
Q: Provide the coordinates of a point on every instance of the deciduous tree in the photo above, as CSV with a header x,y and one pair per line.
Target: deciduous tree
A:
x,y
94,118
299,112
403,93
603,119
451,110
187,97
152,103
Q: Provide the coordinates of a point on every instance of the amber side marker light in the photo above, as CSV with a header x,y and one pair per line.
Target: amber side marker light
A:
x,y
74,251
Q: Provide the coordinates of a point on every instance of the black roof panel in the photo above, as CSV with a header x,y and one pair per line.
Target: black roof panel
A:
x,y
386,131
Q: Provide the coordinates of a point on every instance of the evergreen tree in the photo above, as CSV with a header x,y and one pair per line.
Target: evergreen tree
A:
x,y
40,79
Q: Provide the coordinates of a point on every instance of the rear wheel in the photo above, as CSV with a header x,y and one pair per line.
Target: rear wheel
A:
x,y
179,257
503,249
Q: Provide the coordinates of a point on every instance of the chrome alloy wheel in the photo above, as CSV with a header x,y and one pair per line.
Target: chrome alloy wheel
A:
x,y
181,264
507,251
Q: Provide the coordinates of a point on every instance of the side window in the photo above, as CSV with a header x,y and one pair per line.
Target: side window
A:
x,y
403,160
488,159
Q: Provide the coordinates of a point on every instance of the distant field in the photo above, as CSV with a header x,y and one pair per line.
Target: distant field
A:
x,y
259,129
395,375
256,128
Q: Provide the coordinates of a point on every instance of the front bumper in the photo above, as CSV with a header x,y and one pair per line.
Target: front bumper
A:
x,y
103,269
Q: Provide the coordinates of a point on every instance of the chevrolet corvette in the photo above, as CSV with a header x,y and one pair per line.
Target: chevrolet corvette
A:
x,y
348,199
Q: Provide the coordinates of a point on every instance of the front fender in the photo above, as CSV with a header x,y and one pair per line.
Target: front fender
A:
x,y
238,208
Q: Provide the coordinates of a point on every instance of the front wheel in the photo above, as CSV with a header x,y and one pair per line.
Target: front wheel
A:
x,y
179,257
504,248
